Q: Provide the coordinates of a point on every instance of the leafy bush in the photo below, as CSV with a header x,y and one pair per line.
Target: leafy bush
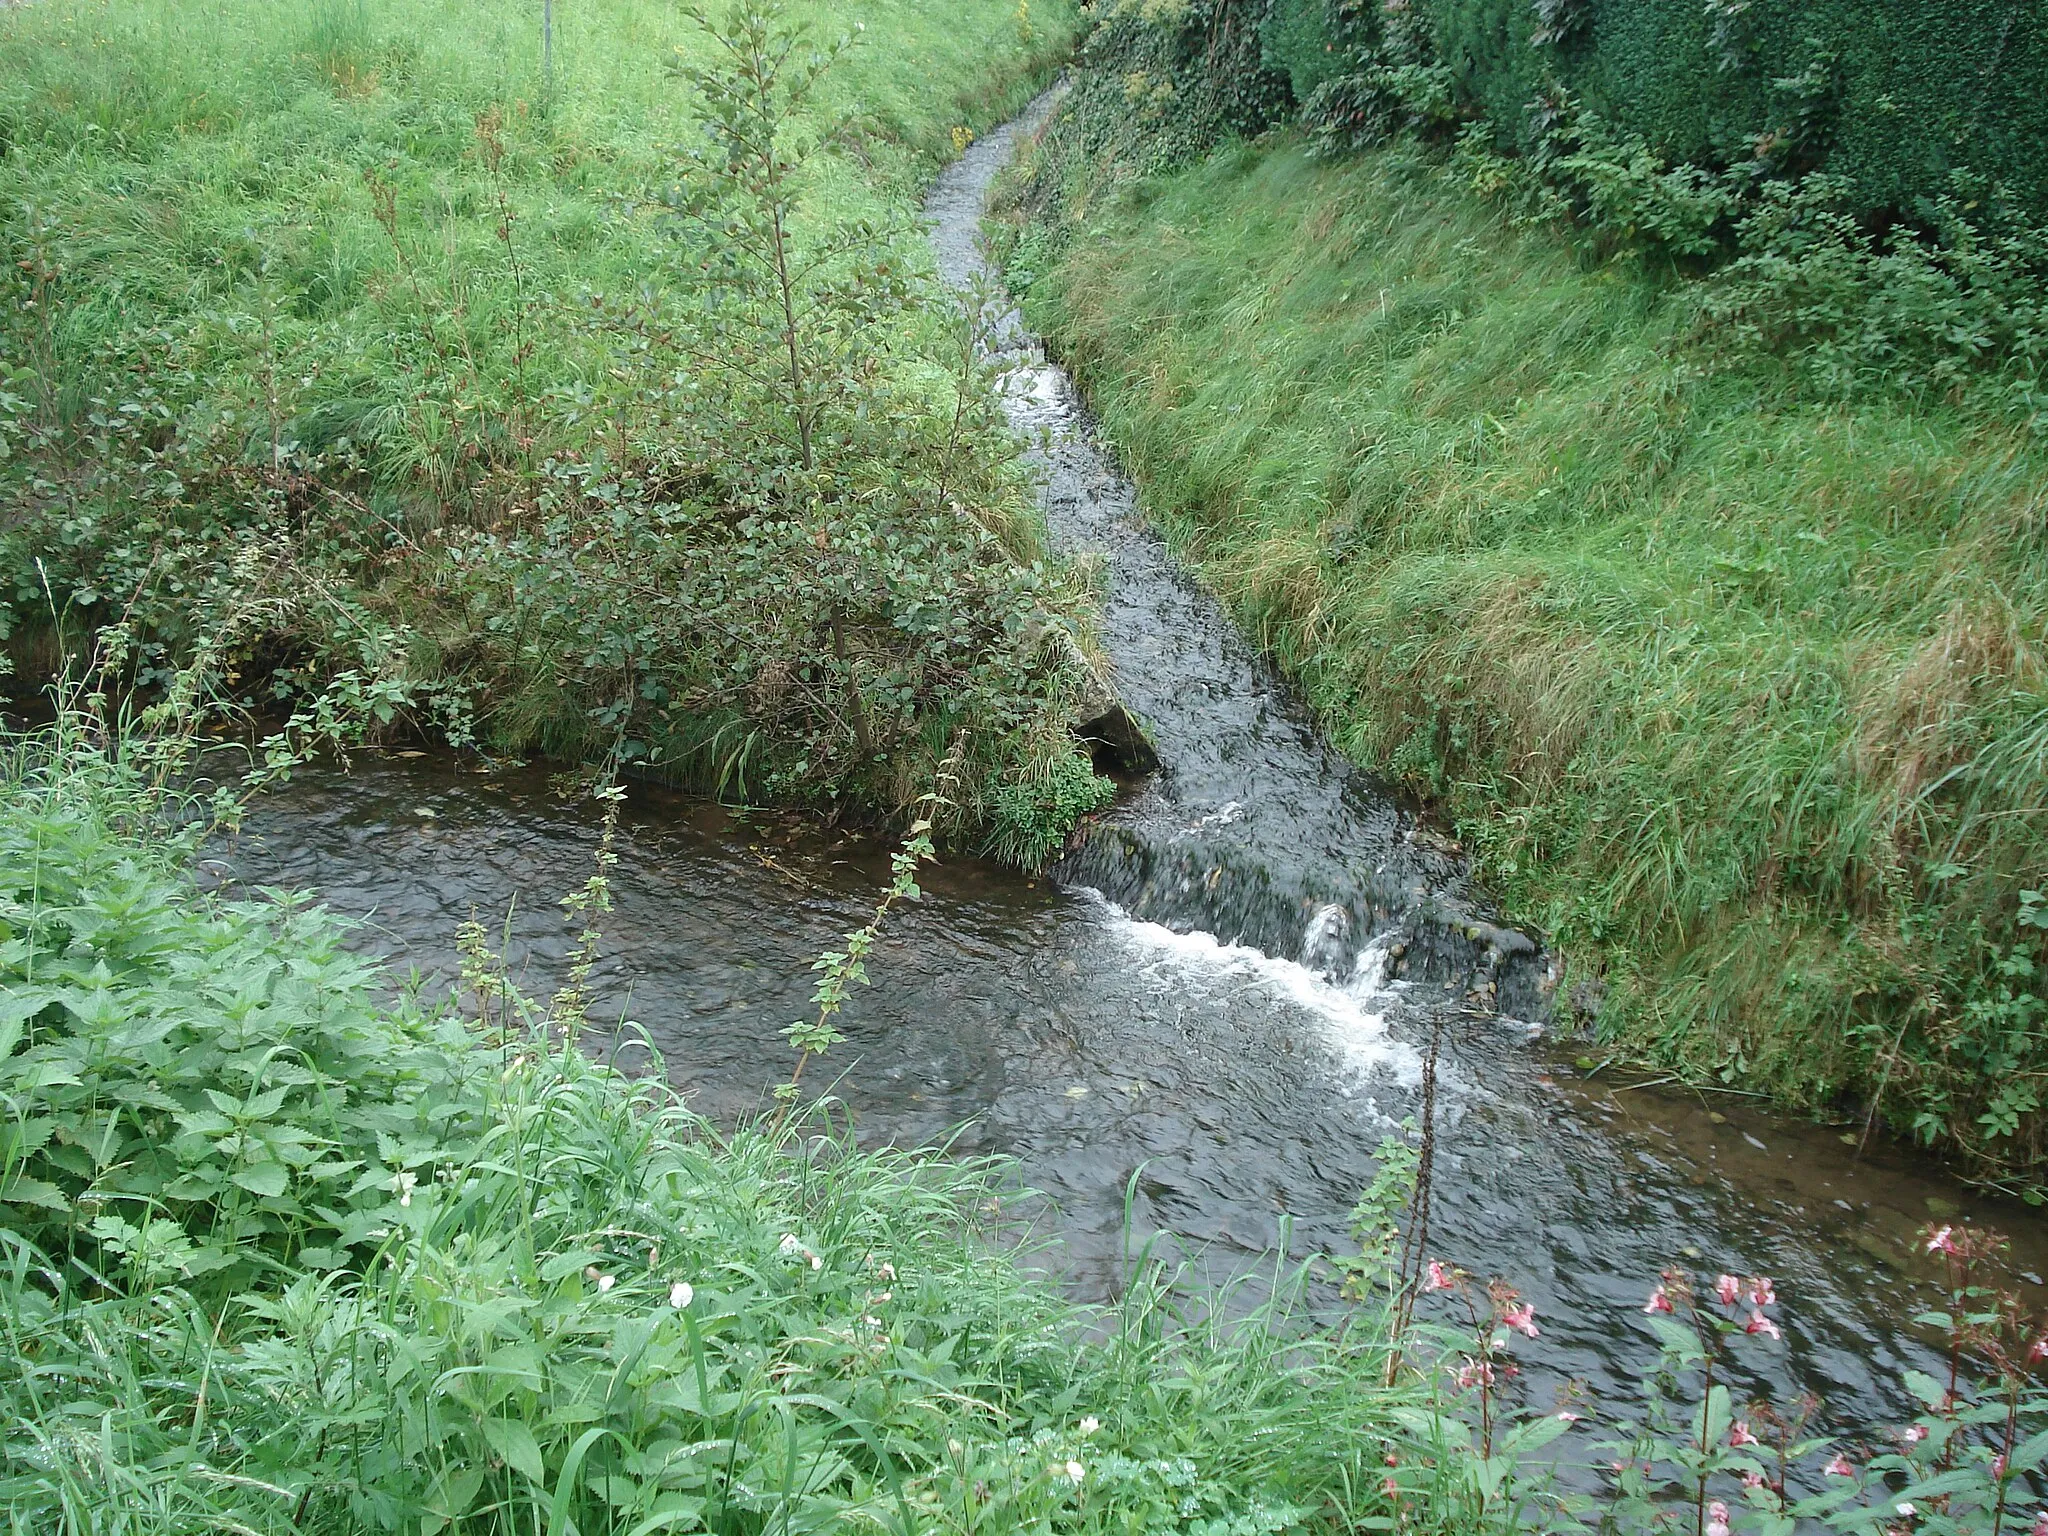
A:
x,y
1865,237
1953,310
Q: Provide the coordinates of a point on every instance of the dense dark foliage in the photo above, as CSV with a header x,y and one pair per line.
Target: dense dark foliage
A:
x,y
1875,174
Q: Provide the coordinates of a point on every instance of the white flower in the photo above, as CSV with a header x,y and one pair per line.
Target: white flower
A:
x,y
887,1271
1075,1472
600,1279
403,1184
1090,1424
790,1248
1905,1509
955,1447
680,1293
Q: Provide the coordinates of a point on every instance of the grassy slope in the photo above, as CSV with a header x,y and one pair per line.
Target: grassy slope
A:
x,y
200,180
186,158
1688,660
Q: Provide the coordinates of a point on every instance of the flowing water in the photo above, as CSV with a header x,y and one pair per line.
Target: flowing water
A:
x,y
1203,1022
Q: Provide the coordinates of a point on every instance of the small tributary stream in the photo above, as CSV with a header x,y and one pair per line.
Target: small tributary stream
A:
x,y
1202,1022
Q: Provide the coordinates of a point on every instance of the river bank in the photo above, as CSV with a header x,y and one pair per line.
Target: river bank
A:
x,y
1199,1033
1733,693
402,368
579,1302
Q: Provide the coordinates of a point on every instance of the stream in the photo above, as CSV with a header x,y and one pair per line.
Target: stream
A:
x,y
1202,1022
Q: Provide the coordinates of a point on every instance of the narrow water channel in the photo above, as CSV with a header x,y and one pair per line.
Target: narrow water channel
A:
x,y
1202,1023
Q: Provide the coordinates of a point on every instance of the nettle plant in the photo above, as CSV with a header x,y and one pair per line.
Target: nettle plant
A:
x,y
1690,1460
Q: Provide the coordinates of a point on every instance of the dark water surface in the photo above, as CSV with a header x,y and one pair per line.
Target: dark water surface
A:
x,y
1203,1023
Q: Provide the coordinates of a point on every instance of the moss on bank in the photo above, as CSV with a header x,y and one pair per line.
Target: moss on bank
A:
x,y
1740,696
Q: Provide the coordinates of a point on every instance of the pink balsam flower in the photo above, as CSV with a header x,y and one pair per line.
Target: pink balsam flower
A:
x,y
1473,1373
1437,1278
1839,1467
1761,1292
1740,1436
1758,1323
1941,1241
1717,1519
1522,1319
1727,1290
1659,1301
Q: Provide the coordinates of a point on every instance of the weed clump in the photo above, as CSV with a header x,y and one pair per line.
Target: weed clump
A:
x,y
277,1255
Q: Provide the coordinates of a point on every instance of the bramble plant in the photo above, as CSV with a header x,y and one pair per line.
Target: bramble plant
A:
x,y
805,552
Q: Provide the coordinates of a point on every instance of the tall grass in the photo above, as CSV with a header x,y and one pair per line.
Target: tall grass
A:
x,y
279,1256
354,286
1738,695
184,164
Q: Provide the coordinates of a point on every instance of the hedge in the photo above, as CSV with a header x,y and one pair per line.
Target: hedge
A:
x,y
1896,95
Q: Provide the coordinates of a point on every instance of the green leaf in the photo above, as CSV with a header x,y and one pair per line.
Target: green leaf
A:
x,y
563,1265
2030,1453
1534,1435
1925,1387
22,1190
559,1523
514,1442
454,1491
263,1178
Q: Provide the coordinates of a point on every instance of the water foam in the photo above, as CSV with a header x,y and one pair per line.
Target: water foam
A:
x,y
1353,1014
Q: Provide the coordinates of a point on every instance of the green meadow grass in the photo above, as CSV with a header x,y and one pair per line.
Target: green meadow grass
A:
x,y
1739,696
197,172
302,298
